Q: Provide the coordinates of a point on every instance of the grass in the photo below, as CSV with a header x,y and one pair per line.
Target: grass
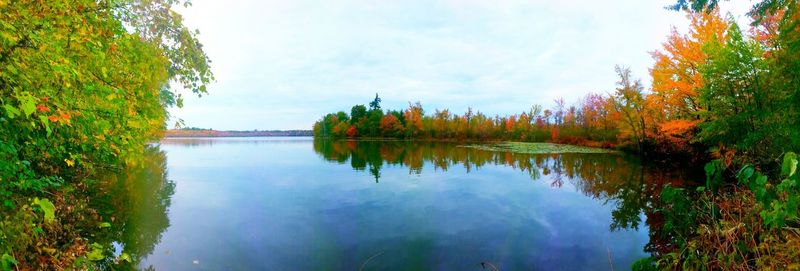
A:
x,y
536,148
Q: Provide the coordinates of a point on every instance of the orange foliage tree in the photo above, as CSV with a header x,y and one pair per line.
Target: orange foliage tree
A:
x,y
391,126
674,106
352,131
413,116
676,78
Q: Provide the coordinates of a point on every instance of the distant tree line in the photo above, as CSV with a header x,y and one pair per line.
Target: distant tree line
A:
x,y
200,132
591,118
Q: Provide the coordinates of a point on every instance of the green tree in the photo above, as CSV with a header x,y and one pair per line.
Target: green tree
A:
x,y
370,126
744,110
376,103
342,116
629,104
357,113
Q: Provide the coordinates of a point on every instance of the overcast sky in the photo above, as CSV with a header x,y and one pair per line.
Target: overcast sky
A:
x,y
284,64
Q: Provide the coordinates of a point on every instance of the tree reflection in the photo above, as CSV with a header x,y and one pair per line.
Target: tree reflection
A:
x,y
135,203
617,179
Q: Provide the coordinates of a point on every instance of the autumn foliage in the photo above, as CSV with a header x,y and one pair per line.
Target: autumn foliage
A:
x,y
676,75
391,125
589,122
84,87
706,83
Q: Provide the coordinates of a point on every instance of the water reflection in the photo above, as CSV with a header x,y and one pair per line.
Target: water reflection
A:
x,y
210,141
617,179
135,203
269,203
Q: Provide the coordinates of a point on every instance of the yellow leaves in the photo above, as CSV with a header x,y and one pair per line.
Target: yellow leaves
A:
x,y
132,111
708,26
8,37
135,124
70,162
413,116
115,149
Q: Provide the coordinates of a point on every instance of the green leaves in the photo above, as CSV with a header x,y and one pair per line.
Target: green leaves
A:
x,y
125,257
47,208
713,171
680,213
789,166
46,123
27,104
749,106
779,202
710,168
745,173
74,75
6,261
11,111
96,254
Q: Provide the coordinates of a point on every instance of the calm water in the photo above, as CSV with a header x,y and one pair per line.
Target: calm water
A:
x,y
301,204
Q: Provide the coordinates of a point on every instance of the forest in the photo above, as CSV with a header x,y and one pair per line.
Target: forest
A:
x,y
721,92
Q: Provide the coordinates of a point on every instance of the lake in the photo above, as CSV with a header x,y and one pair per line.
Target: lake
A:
x,y
296,203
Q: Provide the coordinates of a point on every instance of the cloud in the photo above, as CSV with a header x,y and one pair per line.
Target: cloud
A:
x,y
283,64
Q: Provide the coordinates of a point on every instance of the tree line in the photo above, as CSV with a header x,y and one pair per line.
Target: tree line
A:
x,y
716,87
591,118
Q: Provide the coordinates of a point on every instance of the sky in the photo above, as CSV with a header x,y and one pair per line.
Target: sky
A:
x,y
284,64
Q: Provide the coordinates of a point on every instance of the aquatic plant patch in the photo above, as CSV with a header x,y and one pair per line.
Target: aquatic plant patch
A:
x,y
536,148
